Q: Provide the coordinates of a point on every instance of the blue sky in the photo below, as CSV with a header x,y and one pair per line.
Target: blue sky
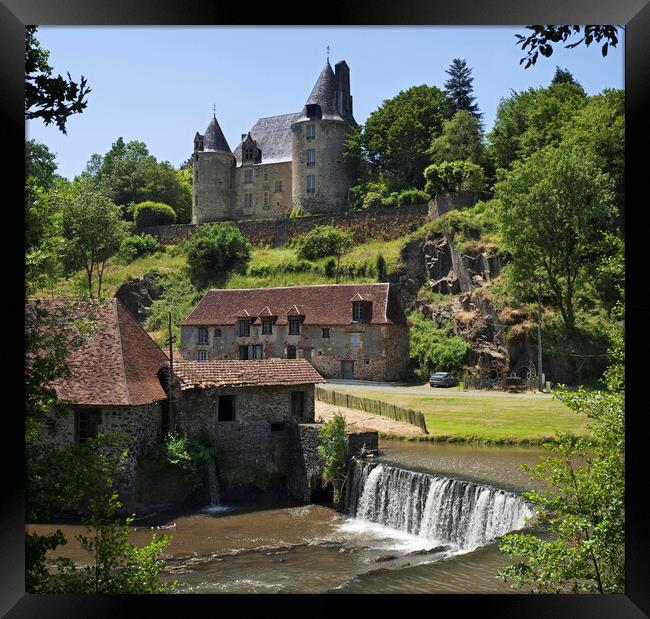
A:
x,y
158,84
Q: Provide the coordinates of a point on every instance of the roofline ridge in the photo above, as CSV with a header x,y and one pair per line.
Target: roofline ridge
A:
x,y
119,341
286,287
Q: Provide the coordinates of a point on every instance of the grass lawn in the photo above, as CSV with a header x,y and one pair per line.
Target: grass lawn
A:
x,y
497,420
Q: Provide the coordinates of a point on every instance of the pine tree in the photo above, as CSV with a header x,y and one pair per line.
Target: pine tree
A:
x,y
459,87
563,76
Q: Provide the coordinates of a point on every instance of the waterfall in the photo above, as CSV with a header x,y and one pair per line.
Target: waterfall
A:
x,y
213,484
441,509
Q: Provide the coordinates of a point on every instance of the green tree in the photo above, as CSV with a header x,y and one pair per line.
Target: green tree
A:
x,y
563,76
539,42
454,176
214,249
532,119
553,207
129,174
333,449
52,99
322,241
461,139
459,88
584,508
92,229
396,136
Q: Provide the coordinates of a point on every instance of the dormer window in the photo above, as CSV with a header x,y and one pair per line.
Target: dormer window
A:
x,y
267,326
249,154
294,326
314,111
361,311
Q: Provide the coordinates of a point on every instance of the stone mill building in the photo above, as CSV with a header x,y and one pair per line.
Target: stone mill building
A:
x,y
284,163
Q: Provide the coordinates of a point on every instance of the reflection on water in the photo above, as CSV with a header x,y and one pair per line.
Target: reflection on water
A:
x,y
279,547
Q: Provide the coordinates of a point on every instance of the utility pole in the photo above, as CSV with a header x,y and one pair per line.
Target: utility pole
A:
x,y
170,396
540,371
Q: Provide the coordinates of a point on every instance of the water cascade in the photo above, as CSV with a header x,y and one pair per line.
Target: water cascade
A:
x,y
440,509
213,484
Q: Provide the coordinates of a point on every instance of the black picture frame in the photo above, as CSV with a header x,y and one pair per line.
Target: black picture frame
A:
x,y
633,14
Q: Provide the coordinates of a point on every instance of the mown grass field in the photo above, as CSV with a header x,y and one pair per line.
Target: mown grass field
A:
x,y
491,420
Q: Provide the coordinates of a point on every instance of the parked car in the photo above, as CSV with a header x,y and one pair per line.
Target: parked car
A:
x,y
443,379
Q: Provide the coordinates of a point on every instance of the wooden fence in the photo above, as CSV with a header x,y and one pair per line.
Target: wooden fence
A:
x,y
377,407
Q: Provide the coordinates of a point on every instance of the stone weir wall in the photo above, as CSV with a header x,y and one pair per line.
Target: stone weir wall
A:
x,y
305,467
378,224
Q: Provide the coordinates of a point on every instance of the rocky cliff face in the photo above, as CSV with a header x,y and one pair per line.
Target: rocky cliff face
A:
x,y
436,264
137,295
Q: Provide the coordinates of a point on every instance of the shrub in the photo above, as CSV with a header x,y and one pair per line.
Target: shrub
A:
x,y
322,241
215,248
333,450
454,176
330,268
390,200
434,349
137,245
412,196
372,200
153,214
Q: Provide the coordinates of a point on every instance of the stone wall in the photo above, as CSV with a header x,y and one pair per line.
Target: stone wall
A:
x,y
378,224
265,179
448,201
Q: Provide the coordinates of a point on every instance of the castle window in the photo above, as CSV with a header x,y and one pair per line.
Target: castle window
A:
x,y
278,186
226,410
311,183
355,340
294,326
201,355
248,200
311,157
249,153
267,200
266,175
311,132
244,328
202,335
248,176
267,326
326,332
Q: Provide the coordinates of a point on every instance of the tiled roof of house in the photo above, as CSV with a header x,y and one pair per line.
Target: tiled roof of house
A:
x,y
254,373
118,366
320,305
273,138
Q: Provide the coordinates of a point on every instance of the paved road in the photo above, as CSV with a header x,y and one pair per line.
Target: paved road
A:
x,y
357,385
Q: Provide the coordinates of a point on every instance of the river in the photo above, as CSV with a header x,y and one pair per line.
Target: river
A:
x,y
273,546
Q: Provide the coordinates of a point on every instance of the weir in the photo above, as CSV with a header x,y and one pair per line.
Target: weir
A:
x,y
441,509
213,484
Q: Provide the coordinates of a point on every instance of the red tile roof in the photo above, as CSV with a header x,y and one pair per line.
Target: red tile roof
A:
x,y
119,365
252,373
321,305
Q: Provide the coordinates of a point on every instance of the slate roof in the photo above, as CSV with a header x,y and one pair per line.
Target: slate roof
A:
x,y
273,138
323,93
253,373
214,139
119,365
321,305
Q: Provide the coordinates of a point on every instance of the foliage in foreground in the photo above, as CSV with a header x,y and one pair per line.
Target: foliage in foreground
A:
x,y
333,450
585,511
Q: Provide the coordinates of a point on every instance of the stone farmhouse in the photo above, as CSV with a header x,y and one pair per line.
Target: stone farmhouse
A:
x,y
113,385
250,409
350,331
284,163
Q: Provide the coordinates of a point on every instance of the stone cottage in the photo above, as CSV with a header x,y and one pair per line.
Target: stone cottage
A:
x,y
114,384
350,331
291,161
251,410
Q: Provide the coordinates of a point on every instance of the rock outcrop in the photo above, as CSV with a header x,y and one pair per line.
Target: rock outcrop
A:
x,y
137,295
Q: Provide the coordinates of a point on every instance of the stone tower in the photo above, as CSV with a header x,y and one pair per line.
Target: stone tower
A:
x,y
213,170
320,177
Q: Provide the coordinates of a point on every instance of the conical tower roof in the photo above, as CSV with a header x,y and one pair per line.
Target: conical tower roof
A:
x,y
214,138
324,94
